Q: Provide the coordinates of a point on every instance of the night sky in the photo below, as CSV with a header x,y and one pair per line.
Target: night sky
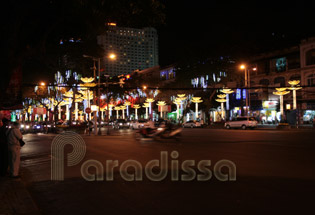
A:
x,y
200,29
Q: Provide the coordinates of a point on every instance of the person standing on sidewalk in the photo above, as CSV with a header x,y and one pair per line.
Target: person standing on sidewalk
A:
x,y
4,153
14,136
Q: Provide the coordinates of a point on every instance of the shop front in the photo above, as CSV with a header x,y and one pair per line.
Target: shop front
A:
x,y
269,113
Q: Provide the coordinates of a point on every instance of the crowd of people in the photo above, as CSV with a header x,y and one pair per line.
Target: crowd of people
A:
x,y
10,147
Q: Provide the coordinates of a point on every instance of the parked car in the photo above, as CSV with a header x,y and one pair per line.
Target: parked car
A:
x,y
242,122
191,124
121,123
137,124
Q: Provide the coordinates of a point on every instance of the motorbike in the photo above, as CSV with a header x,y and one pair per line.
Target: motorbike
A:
x,y
161,132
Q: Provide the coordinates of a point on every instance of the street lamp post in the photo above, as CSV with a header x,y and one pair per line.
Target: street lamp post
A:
x,y
281,92
294,87
136,107
178,103
127,103
150,100
246,90
182,98
161,104
247,87
117,108
112,57
123,108
221,99
196,100
227,92
146,106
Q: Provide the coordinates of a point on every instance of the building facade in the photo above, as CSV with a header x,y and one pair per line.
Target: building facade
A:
x,y
136,49
276,69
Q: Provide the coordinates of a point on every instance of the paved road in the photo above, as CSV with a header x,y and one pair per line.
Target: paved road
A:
x,y
275,174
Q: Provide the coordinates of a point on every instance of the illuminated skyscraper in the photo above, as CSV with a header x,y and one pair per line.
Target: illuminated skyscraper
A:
x,y
136,49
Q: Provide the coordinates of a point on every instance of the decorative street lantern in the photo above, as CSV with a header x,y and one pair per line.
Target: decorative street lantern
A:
x,y
149,100
110,109
136,107
127,103
67,101
196,100
123,108
76,110
161,104
102,112
146,106
227,92
221,99
178,102
117,108
87,79
281,92
294,87
182,98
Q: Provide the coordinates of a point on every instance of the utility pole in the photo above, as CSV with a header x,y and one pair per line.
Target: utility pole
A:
x,y
107,97
94,99
99,95
246,98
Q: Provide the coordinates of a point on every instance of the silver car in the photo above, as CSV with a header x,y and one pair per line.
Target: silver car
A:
x,y
241,122
191,124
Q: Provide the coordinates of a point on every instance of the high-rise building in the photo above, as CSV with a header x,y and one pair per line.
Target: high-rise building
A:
x,y
135,49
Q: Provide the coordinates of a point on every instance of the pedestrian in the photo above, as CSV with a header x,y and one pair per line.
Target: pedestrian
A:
x,y
14,136
4,153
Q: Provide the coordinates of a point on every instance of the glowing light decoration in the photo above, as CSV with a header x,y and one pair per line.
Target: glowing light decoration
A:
x,y
196,100
238,94
110,110
117,108
150,100
281,92
222,100
227,91
127,103
123,108
294,87
182,98
87,79
161,104
136,107
178,102
146,106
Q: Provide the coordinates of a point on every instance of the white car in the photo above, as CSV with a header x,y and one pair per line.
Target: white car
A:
x,y
191,124
137,124
241,122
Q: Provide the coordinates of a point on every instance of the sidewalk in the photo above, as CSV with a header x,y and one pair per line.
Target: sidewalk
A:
x,y
264,127
15,199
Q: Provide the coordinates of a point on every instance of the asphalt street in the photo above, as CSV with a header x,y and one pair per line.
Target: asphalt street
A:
x,y
274,174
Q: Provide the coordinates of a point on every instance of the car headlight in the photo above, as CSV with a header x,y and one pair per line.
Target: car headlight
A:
x,y
48,126
22,126
27,127
120,123
38,127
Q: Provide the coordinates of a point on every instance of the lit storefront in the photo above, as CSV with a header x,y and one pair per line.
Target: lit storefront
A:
x,y
269,113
